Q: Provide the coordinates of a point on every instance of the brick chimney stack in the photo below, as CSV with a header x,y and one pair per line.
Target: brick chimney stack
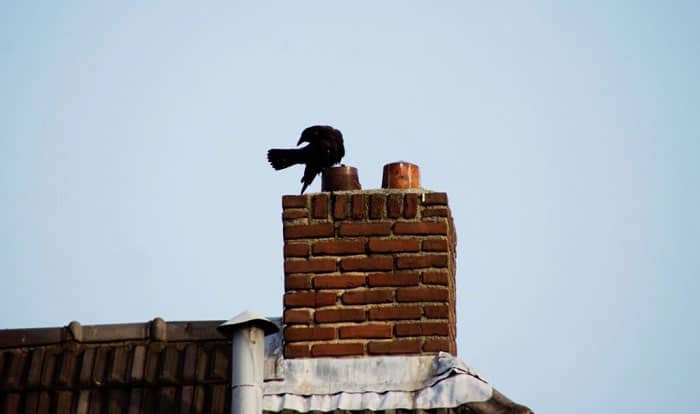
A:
x,y
368,273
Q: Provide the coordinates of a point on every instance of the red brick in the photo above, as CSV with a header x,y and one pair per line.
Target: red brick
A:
x,y
310,265
295,214
376,206
319,206
393,245
421,260
296,316
435,278
387,313
367,263
410,208
296,250
342,349
291,201
437,345
435,245
311,333
422,294
393,279
411,346
297,351
340,206
365,331
358,207
362,297
365,229
435,212
309,299
339,281
308,231
422,329
430,199
393,205
297,282
339,247
340,315
436,311
437,228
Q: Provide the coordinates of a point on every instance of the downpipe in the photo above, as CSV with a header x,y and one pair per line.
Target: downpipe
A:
x,y
247,332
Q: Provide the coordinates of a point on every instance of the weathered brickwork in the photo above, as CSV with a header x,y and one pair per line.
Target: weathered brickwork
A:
x,y
369,273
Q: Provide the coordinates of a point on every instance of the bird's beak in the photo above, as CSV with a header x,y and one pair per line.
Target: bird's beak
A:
x,y
301,139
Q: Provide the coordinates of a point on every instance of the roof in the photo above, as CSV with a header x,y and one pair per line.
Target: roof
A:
x,y
134,368
184,367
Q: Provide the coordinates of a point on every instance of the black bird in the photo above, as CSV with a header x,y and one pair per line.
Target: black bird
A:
x,y
324,149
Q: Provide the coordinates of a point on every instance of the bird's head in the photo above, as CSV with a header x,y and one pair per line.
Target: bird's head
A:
x,y
313,133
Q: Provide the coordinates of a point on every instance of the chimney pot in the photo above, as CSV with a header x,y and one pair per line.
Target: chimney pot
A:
x,y
401,175
341,178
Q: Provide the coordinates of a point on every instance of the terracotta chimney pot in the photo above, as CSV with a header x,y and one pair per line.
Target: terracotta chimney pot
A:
x,y
401,175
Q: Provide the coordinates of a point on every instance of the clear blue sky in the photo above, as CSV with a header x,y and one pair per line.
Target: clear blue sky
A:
x,y
133,180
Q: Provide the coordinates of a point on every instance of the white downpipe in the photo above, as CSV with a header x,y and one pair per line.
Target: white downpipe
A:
x,y
248,358
247,332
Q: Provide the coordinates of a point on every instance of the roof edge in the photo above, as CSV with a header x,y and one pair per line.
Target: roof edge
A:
x,y
155,330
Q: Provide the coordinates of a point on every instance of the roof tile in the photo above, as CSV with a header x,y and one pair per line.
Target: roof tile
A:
x,y
44,403
202,364
166,400
117,400
12,370
115,333
34,373
48,367
85,377
101,361
218,399
186,399
66,369
135,400
138,363
10,338
190,364
31,402
149,400
170,359
219,366
118,367
11,403
64,401
152,357
199,400
83,403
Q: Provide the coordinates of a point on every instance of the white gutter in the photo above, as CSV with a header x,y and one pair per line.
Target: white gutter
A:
x,y
247,332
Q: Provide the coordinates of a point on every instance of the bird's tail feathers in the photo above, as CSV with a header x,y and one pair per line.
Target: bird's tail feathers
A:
x,y
308,177
283,158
